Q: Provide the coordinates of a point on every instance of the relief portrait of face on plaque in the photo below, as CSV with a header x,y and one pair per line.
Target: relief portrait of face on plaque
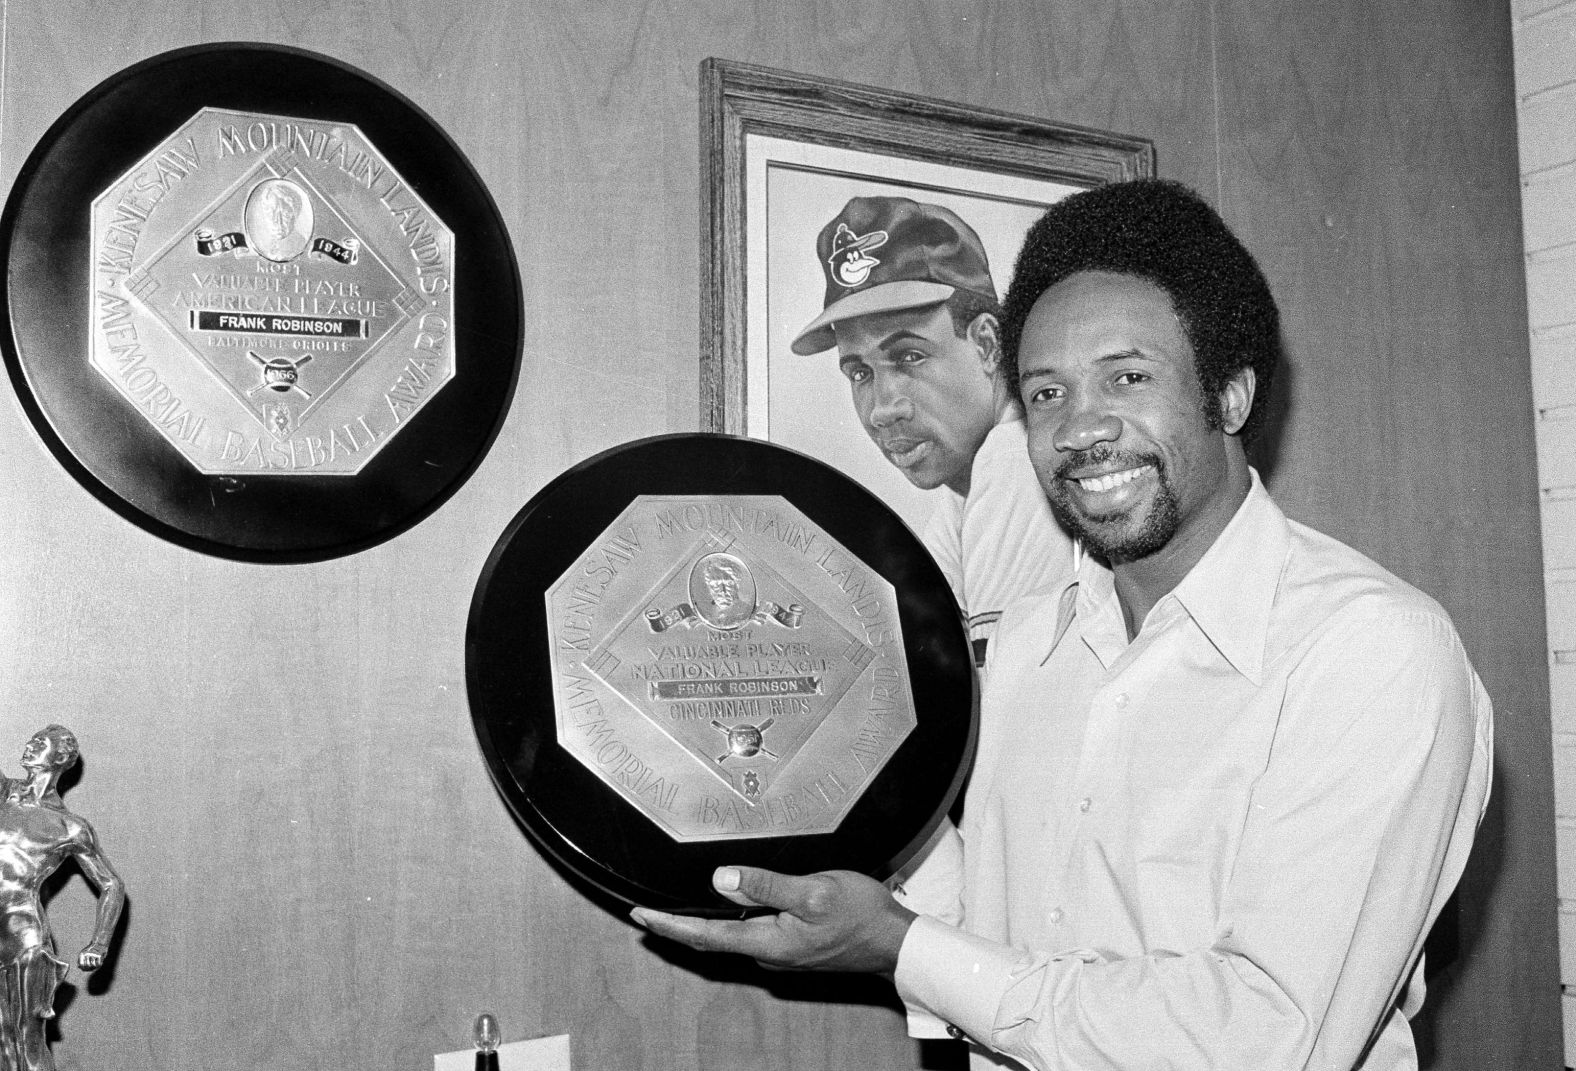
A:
x,y
723,591
278,220
875,269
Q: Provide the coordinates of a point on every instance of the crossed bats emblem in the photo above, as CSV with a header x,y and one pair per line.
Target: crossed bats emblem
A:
x,y
745,741
280,374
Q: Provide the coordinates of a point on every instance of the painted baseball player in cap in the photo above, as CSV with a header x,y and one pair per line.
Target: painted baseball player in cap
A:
x,y
911,309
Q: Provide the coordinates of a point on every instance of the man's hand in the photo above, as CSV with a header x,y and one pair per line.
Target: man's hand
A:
x,y
92,957
836,921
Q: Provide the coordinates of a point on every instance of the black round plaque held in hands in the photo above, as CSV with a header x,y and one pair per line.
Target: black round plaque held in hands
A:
x,y
259,303
698,650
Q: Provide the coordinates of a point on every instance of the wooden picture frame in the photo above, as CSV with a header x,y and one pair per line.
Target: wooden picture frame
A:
x,y
779,153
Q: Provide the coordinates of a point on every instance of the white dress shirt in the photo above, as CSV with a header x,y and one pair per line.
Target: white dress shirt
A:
x,y
1220,845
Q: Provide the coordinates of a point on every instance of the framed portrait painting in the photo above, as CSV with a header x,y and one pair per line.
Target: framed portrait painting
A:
x,y
783,154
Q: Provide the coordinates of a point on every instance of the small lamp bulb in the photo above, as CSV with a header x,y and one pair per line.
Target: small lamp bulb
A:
x,y
487,1032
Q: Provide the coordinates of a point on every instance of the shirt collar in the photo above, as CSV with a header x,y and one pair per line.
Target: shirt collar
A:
x,y
1231,591
1229,594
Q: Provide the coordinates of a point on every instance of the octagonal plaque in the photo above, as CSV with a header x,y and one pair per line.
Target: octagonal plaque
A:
x,y
727,667
258,303
270,296
700,650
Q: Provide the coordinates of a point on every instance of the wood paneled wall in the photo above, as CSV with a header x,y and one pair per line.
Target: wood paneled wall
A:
x,y
280,760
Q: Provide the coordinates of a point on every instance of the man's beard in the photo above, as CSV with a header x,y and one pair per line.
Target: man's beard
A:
x,y
1105,535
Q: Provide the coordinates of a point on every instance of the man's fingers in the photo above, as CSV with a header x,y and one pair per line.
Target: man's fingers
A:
x,y
838,920
754,887
755,937
728,880
687,931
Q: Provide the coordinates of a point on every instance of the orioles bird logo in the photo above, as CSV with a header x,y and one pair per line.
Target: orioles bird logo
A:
x,y
850,262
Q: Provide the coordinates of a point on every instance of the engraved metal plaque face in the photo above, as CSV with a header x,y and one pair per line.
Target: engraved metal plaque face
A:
x,y
699,650
258,303
269,295
727,667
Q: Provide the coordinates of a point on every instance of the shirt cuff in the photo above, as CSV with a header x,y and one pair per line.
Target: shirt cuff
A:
x,y
947,976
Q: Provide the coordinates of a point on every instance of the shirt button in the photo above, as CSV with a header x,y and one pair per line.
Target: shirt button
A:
x,y
1084,805
1121,701
1056,914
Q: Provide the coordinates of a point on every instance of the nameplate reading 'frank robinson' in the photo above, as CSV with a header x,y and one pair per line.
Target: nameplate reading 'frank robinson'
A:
x,y
270,296
728,668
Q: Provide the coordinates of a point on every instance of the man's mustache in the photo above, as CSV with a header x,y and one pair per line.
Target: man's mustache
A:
x,y
1104,456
